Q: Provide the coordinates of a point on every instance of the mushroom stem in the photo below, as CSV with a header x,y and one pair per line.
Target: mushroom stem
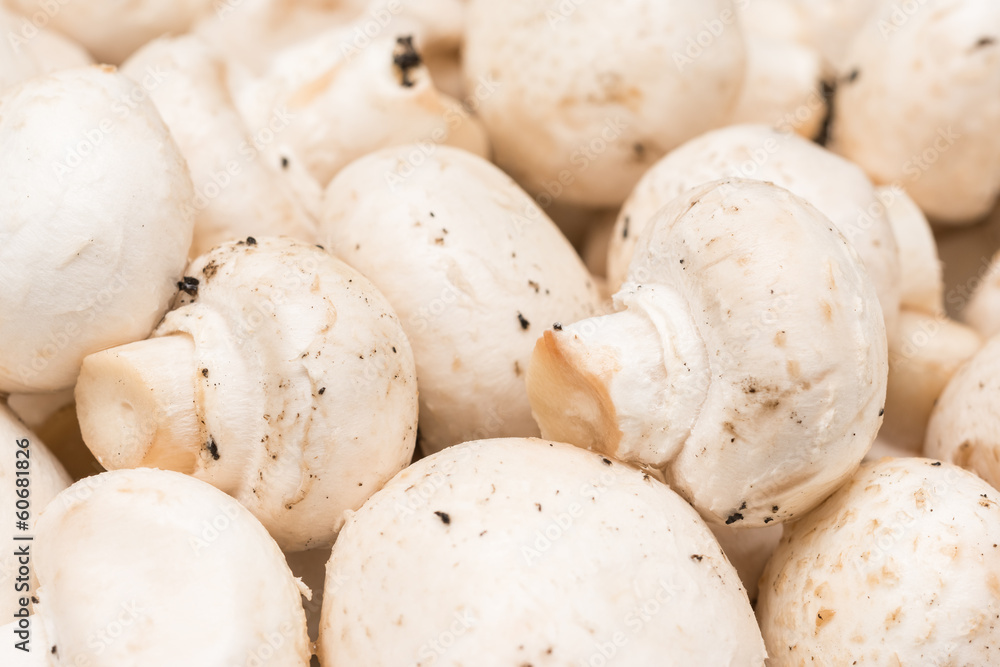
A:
x,y
137,405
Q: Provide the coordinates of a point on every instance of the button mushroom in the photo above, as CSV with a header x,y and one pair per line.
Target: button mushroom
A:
x,y
587,561
475,270
93,231
918,105
837,188
747,359
282,377
588,95
150,567
899,566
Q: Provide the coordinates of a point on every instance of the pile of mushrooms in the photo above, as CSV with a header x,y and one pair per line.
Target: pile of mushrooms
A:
x,y
467,332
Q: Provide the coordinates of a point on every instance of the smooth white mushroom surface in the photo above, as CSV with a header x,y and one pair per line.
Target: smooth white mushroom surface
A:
x,y
27,50
111,31
964,427
920,270
831,26
899,567
239,192
24,457
282,376
338,102
94,230
833,185
746,359
173,572
475,270
586,96
527,552
918,105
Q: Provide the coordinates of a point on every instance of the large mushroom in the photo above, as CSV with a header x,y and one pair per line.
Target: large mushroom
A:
x,y
282,377
475,270
588,95
525,552
94,195
898,567
154,568
746,359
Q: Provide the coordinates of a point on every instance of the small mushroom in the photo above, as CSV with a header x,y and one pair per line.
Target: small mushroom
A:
x,y
93,201
587,560
30,476
586,96
238,191
154,568
282,377
747,359
898,567
919,105
964,427
475,270
837,188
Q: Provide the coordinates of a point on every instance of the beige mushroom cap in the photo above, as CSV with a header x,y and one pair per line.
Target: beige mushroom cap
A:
x,y
150,567
523,551
899,566
982,312
747,359
93,194
283,377
836,187
586,96
475,270
920,270
919,105
964,427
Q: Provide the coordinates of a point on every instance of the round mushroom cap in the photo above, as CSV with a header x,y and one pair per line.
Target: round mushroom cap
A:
x,y
833,185
184,574
921,279
899,566
94,222
982,312
523,551
918,105
964,427
581,98
111,31
475,270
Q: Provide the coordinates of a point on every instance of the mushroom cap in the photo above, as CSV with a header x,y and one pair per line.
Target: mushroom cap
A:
x,y
342,101
833,185
28,51
831,26
747,359
238,191
46,478
475,270
899,566
523,551
585,96
163,556
964,427
919,106
920,271
307,394
93,194
982,312
113,30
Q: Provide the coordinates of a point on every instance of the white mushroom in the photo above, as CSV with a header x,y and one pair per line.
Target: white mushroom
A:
x,y
927,352
525,552
30,476
28,50
982,312
918,105
964,428
93,231
282,377
587,95
238,191
344,101
149,567
747,359
830,26
898,567
920,271
111,31
837,188
475,270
